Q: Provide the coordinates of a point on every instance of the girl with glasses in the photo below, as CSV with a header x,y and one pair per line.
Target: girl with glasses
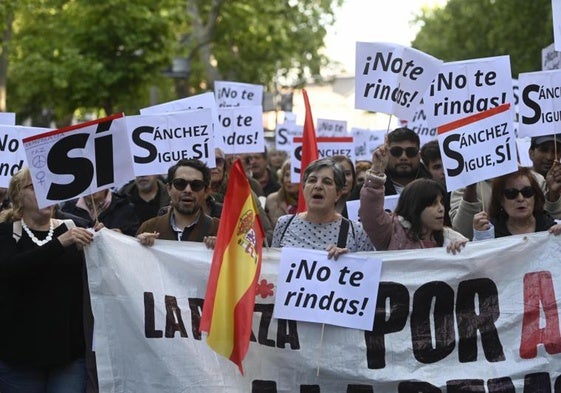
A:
x,y
517,207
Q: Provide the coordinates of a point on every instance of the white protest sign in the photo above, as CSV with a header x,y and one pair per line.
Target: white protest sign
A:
x,y
479,147
366,141
232,94
8,118
418,123
158,141
556,13
390,203
79,160
312,288
551,59
12,154
200,101
391,78
467,87
242,129
540,107
523,145
327,147
284,133
327,127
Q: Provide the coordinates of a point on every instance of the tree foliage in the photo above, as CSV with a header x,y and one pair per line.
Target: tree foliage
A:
x,y
105,55
480,28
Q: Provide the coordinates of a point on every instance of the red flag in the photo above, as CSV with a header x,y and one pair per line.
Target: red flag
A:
x,y
309,148
236,262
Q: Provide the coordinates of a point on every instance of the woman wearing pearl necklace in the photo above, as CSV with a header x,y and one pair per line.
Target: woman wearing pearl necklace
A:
x,y
41,296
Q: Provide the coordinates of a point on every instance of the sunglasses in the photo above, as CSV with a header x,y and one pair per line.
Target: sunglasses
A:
x,y
512,193
181,184
410,152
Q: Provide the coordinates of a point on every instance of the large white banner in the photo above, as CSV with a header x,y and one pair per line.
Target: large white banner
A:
x,y
484,320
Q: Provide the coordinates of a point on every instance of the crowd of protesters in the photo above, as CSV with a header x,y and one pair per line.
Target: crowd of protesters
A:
x,y
42,263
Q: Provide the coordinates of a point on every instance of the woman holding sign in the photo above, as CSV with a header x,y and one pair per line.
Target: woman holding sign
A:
x,y
418,220
42,344
320,227
517,207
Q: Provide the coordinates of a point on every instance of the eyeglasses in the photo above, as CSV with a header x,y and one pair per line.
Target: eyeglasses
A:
x,y
512,193
181,184
30,185
220,161
410,152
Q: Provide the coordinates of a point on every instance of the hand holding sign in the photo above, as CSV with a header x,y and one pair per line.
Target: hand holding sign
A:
x,y
553,181
380,159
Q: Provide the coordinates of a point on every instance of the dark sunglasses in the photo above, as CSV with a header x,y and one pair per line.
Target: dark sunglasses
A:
x,y
410,152
512,193
181,184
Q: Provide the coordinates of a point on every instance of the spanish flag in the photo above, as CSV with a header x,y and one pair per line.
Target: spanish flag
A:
x,y
309,149
236,262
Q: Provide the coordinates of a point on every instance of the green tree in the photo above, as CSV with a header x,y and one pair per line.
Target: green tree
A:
x,y
254,41
80,54
103,56
480,28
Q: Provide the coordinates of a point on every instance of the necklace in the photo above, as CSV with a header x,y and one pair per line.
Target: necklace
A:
x,y
34,238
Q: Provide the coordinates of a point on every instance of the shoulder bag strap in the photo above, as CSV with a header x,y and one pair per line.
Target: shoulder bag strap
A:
x,y
343,233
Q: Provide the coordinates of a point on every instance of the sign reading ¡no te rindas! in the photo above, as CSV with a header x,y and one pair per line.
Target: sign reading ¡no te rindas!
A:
x,y
478,147
79,160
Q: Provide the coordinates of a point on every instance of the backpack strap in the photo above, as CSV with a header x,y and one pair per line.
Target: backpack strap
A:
x,y
343,233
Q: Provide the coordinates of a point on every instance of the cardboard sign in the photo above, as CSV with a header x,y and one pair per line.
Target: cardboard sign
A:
x,y
463,88
327,147
79,160
12,154
556,11
233,94
419,124
391,78
284,133
551,59
312,288
479,147
159,141
366,141
242,129
200,101
540,107
330,128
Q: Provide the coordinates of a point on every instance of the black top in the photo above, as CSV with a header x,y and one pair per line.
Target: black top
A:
x,y
543,223
41,293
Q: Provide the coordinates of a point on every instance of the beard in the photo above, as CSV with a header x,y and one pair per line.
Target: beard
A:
x,y
403,170
188,211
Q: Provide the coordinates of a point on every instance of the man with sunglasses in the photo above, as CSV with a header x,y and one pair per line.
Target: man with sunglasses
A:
x,y
185,220
404,162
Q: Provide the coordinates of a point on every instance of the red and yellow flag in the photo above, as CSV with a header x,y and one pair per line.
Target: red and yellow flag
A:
x,y
309,148
236,262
